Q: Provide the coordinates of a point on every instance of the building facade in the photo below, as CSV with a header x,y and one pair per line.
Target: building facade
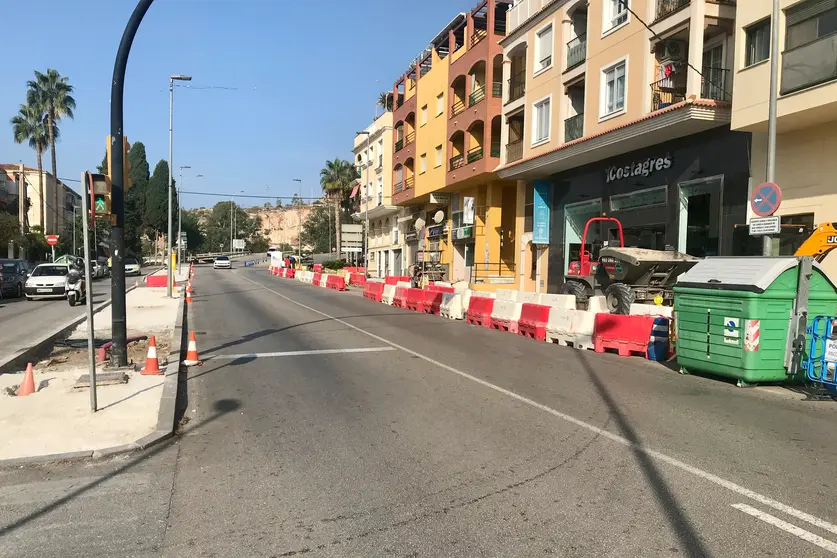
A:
x,y
807,109
54,216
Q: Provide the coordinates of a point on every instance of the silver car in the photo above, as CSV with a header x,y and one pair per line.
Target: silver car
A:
x,y
47,281
222,262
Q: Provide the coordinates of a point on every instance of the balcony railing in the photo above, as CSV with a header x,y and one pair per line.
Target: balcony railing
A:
x,y
476,95
514,151
667,7
715,84
399,186
456,162
399,145
574,127
576,51
475,155
495,150
517,86
479,34
481,272
399,100
457,108
380,198
409,138
809,65
665,93
410,182
497,89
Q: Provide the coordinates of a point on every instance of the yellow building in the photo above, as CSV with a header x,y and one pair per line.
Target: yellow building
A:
x,y
806,112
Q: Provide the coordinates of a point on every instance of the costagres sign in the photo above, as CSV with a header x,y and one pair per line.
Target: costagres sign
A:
x,y
638,168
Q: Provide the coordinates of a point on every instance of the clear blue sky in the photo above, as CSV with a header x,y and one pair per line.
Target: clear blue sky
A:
x,y
307,76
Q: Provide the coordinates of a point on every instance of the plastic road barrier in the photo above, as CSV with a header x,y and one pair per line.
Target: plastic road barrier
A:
x,y
479,310
651,310
645,335
373,290
388,295
531,298
414,300
505,315
400,298
323,280
432,301
316,278
336,282
395,279
318,268
533,320
558,301
290,273
570,328
455,304
357,279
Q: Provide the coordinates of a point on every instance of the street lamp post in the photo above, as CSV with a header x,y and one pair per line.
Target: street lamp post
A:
x,y
169,265
75,252
299,218
368,163
180,217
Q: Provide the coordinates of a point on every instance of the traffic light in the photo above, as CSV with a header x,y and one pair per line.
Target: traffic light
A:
x,y
126,166
100,194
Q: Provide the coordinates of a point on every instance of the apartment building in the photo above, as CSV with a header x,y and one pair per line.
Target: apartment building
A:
x,y
54,216
373,151
806,144
621,112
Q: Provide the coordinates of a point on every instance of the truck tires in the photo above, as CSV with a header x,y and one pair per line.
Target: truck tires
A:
x,y
578,290
619,298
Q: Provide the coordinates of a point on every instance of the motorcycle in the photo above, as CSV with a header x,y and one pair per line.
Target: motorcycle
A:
x,y
76,288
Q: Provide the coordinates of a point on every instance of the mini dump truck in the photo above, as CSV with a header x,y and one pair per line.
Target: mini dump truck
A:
x,y
625,275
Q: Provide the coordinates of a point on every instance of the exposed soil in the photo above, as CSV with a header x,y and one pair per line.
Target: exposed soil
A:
x,y
72,354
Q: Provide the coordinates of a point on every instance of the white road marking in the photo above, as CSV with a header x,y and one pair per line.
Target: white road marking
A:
x,y
714,479
788,527
300,353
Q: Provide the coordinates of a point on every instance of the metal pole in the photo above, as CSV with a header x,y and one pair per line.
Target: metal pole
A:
x,y
231,224
179,220
168,239
299,216
75,252
91,346
772,105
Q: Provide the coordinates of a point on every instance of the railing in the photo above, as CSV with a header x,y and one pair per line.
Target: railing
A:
x,y
475,155
714,84
399,187
574,127
399,145
497,89
476,95
380,198
665,93
481,272
456,162
809,65
514,151
499,26
576,51
479,34
399,101
517,86
667,7
410,138
495,150
410,182
457,108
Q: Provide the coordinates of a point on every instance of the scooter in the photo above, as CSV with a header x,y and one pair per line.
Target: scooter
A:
x,y
76,288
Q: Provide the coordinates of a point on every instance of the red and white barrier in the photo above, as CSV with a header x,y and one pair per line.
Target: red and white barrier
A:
x,y
631,335
506,311
533,321
455,305
479,309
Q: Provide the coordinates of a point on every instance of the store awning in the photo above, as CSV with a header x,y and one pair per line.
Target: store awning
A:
x,y
354,190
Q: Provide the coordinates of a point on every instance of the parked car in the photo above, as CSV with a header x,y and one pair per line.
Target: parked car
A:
x,y
96,271
132,267
47,280
13,275
222,262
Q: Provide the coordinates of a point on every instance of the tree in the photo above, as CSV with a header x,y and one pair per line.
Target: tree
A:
x,y
296,200
157,201
336,179
29,126
53,94
318,230
385,101
195,239
135,224
65,240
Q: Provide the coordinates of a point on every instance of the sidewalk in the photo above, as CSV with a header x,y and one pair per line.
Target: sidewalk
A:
x,y
56,422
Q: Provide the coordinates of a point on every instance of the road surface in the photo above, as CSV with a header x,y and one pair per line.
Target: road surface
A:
x,y
323,424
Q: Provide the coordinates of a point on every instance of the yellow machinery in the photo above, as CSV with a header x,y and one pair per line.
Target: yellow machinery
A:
x,y
820,243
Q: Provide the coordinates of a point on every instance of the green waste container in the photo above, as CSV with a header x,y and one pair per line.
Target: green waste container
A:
x,y
733,314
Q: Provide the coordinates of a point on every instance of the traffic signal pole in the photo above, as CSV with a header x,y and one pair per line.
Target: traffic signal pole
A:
x,y
119,350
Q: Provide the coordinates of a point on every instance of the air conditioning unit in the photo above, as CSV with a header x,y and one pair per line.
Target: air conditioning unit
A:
x,y
673,51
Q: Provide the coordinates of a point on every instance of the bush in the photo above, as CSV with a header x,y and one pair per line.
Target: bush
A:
x,y
334,264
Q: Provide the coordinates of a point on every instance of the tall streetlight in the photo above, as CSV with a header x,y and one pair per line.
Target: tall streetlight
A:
x,y
180,217
368,163
172,79
299,218
75,207
771,109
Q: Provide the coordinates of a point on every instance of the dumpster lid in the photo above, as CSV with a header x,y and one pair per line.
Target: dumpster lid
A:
x,y
752,274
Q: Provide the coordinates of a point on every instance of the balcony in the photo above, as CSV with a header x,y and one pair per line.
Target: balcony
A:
x,y
409,138
476,96
399,101
809,65
399,145
665,93
574,127
514,151
399,186
497,89
456,162
409,183
715,84
495,150
475,155
457,108
517,86
380,166
576,51
667,7
479,34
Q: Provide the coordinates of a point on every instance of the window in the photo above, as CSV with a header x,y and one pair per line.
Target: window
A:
x,y
438,155
424,115
540,129
615,14
613,89
423,163
639,198
809,21
757,43
440,104
543,49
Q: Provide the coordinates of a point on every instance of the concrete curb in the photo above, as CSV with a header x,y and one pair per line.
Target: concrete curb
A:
x,y
19,359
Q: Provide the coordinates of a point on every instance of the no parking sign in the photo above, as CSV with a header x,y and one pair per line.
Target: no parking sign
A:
x,y
766,199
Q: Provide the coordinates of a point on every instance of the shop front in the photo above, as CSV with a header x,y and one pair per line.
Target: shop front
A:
x,y
686,195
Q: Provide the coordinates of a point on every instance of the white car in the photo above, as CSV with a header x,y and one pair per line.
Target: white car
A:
x,y
222,262
132,267
47,281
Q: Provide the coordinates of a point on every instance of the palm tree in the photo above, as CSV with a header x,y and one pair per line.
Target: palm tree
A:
x,y
29,126
53,92
336,179
385,101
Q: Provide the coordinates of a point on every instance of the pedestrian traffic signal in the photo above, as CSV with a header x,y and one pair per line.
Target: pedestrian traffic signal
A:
x,y
100,194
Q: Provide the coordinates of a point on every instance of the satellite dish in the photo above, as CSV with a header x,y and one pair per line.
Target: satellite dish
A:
x,y
439,216
419,224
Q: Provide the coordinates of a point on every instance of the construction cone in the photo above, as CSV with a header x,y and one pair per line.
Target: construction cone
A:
x,y
192,351
152,365
27,387
189,287
188,297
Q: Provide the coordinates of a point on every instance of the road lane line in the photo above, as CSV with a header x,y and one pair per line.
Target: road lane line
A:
x,y
714,479
301,353
788,527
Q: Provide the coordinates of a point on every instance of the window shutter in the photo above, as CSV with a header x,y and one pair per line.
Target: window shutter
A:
x,y
807,10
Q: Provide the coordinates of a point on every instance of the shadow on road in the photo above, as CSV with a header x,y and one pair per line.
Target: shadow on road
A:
x,y
684,530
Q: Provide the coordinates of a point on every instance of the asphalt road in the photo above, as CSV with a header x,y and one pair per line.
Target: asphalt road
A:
x,y
323,424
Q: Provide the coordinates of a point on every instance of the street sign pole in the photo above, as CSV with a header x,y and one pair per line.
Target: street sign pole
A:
x,y
772,109
91,347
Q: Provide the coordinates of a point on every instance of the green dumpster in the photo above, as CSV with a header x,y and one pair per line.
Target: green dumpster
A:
x,y
733,315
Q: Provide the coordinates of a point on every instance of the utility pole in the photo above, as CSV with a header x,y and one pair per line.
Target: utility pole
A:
x,y
366,198
772,106
232,203
169,252
180,217
119,350
299,216
91,346
21,200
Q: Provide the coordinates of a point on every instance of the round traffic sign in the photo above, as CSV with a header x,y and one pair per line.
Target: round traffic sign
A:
x,y
52,239
766,199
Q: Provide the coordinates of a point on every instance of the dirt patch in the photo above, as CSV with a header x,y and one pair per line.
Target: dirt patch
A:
x,y
73,354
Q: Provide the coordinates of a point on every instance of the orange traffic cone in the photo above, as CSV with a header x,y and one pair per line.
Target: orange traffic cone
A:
x,y
152,365
192,351
188,297
27,387
189,287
